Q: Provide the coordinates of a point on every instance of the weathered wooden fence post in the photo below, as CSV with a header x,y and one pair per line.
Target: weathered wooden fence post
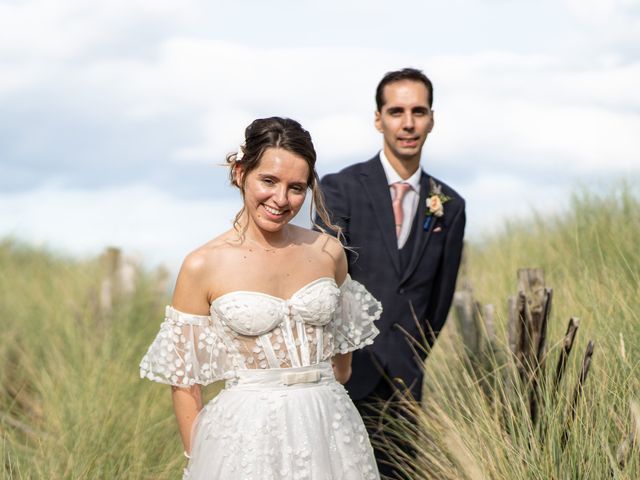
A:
x,y
120,277
577,393
567,345
466,309
475,324
528,319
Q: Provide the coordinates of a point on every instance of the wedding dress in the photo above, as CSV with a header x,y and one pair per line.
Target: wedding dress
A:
x,y
282,414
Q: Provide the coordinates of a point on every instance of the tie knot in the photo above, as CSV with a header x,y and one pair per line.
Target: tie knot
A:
x,y
400,189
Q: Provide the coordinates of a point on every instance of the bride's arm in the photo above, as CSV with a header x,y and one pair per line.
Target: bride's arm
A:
x,y
342,367
187,402
190,296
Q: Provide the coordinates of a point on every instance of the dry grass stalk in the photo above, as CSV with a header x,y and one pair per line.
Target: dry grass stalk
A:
x,y
630,443
30,432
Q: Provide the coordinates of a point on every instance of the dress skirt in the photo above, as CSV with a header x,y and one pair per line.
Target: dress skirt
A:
x,y
276,424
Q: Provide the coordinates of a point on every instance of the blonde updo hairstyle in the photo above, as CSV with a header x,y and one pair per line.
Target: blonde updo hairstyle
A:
x,y
285,133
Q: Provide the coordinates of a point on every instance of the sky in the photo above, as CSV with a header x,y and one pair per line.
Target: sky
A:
x,y
115,116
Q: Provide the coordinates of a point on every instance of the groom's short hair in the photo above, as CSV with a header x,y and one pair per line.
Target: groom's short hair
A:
x,y
412,74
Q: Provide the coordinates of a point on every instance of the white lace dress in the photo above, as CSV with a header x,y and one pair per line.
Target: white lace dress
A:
x,y
282,414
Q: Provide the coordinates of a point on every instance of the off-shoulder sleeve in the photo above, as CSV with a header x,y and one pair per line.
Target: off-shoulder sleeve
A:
x,y
353,323
186,351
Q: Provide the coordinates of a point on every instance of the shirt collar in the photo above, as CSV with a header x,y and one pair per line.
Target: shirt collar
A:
x,y
393,177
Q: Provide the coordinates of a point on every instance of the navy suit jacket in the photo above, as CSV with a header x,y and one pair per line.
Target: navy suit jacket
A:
x,y
358,200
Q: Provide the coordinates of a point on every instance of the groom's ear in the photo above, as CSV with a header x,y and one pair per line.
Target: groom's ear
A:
x,y
377,121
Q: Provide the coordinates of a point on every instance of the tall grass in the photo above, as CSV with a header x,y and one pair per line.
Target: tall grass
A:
x,y
72,406
71,402
591,258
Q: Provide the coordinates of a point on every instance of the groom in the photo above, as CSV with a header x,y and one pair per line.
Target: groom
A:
x,y
405,228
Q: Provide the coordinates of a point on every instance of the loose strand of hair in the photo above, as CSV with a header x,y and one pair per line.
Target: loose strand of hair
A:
x,y
317,201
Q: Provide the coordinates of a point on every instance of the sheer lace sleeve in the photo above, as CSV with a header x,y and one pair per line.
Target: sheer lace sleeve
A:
x,y
186,351
353,323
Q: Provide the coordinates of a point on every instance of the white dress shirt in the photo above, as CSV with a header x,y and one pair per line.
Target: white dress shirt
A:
x,y
410,200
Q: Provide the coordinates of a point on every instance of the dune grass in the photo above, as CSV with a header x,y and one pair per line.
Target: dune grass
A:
x,y
72,405
71,402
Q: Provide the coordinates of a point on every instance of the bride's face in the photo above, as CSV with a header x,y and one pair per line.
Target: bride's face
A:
x,y
275,190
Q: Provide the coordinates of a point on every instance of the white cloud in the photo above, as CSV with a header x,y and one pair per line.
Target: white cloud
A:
x,y
601,11
537,113
343,136
585,139
608,24
533,107
55,30
537,108
220,133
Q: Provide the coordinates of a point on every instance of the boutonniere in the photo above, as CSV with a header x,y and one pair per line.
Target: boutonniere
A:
x,y
435,203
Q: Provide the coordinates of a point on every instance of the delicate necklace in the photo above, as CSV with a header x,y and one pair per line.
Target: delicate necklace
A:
x,y
269,249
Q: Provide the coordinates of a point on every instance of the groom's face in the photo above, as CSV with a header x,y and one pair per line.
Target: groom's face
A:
x,y
405,119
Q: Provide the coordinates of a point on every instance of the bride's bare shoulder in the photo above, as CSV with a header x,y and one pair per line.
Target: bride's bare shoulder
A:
x,y
211,255
327,249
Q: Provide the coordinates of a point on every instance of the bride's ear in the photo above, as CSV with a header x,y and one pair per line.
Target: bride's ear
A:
x,y
238,174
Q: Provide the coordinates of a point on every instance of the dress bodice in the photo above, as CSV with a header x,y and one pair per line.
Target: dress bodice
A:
x,y
249,329
256,313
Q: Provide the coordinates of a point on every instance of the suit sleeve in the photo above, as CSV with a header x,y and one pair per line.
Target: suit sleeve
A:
x,y
445,282
337,203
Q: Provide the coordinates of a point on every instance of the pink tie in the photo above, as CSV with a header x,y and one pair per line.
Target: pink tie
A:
x,y
399,191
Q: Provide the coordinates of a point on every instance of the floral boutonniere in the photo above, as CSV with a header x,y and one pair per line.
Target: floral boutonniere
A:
x,y
435,203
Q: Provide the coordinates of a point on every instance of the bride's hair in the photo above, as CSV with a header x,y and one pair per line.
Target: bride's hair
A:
x,y
285,133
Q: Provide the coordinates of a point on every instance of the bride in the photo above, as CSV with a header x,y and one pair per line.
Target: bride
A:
x,y
268,307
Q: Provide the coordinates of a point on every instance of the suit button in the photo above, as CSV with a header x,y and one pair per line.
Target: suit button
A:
x,y
401,291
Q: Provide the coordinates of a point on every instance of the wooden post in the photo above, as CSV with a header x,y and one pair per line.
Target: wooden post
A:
x,y
528,320
522,321
489,323
531,283
111,259
120,274
465,307
512,307
567,345
542,334
540,344
584,371
533,306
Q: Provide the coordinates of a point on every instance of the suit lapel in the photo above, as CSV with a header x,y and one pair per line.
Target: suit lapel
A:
x,y
374,182
422,236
